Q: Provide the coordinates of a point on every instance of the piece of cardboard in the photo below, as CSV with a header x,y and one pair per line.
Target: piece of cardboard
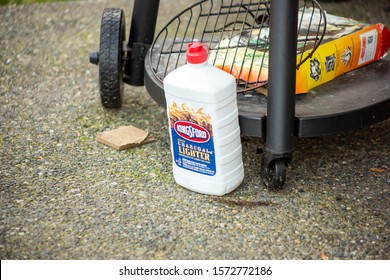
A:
x,y
124,137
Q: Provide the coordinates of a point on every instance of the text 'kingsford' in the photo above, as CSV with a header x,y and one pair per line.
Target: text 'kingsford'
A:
x,y
203,125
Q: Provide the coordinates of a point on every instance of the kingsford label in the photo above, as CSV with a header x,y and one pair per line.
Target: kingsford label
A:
x,y
192,139
192,131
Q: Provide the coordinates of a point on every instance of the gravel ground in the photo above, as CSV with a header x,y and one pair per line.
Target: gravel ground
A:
x,y
65,196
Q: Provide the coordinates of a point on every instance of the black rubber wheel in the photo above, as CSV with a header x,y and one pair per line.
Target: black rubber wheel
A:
x,y
111,57
273,175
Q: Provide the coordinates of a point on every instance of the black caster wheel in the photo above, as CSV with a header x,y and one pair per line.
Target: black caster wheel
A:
x,y
273,174
111,57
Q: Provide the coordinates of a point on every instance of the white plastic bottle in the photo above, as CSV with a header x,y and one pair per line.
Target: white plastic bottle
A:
x,y
203,125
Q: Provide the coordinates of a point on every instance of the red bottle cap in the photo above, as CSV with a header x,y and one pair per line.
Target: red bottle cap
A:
x,y
196,53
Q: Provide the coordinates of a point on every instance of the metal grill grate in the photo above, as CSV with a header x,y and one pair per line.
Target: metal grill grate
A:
x,y
236,33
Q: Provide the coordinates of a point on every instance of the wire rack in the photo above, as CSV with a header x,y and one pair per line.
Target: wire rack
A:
x,y
237,35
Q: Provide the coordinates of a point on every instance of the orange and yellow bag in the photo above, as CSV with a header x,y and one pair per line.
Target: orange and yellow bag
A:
x,y
342,55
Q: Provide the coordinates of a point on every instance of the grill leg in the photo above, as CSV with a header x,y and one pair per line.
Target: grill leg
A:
x,y
143,25
281,91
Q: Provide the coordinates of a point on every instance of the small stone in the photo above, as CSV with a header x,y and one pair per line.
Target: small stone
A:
x,y
324,256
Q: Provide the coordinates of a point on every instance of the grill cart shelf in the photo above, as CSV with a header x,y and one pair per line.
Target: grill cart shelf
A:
x,y
283,31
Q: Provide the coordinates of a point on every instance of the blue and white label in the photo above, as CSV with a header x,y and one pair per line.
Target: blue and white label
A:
x,y
192,143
